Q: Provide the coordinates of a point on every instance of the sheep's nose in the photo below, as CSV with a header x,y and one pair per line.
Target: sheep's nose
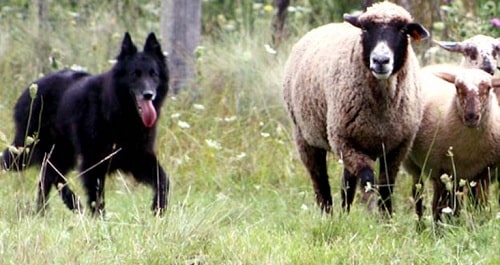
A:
x,y
380,60
490,70
472,117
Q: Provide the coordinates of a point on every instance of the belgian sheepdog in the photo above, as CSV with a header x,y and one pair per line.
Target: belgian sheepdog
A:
x,y
105,122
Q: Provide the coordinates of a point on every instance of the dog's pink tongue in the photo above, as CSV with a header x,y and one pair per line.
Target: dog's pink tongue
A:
x,y
148,112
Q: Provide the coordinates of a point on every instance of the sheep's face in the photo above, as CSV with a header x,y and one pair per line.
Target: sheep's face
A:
x,y
479,51
385,43
473,97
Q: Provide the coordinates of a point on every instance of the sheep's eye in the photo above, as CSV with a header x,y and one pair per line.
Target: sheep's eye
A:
x,y
471,52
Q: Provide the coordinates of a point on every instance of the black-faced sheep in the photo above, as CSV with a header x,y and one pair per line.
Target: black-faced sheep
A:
x,y
479,51
459,135
351,88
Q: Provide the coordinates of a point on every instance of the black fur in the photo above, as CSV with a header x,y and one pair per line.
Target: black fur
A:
x,y
92,116
393,35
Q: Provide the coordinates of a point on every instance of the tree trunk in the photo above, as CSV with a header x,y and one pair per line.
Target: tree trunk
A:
x,y
181,31
278,23
42,46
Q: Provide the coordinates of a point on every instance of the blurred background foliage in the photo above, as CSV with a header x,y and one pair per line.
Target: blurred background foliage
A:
x,y
460,18
36,25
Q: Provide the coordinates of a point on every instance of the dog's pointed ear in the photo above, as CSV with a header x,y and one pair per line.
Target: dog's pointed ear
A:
x,y
128,47
153,47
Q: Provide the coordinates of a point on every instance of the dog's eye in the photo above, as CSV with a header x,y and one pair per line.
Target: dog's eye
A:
x,y
136,73
153,73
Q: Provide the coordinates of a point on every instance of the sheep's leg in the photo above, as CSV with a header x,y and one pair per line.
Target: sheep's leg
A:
x,y
314,159
348,189
417,190
418,186
441,199
356,166
479,193
389,166
498,180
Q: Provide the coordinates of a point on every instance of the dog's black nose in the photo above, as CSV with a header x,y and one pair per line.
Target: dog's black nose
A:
x,y
148,95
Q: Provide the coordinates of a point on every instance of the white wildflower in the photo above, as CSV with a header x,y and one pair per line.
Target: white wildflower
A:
x,y
15,150
214,144
230,118
462,182
241,156
447,210
175,115
221,196
270,49
445,178
183,124
264,134
29,140
33,90
3,137
76,67
198,106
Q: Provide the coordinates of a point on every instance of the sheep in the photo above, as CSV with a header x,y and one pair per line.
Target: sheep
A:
x,y
458,136
479,51
351,88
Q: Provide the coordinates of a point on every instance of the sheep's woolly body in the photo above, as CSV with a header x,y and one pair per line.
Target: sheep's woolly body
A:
x,y
356,93
473,149
445,144
338,105
384,13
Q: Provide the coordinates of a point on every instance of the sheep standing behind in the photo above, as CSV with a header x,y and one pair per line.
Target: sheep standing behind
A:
x,y
479,51
459,135
351,88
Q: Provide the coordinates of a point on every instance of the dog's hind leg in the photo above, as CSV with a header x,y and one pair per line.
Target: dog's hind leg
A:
x,y
54,168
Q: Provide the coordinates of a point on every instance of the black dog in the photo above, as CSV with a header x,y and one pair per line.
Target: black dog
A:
x,y
108,120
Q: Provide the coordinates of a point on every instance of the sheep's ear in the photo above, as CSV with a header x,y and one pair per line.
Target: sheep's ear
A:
x,y
447,76
495,82
451,46
497,45
417,31
353,20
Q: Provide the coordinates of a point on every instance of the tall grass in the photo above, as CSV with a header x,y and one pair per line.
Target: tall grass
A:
x,y
239,194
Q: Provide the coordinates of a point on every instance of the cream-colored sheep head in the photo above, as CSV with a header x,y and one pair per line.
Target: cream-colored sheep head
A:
x,y
479,51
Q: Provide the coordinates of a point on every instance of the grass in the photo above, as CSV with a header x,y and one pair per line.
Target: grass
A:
x,y
239,194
